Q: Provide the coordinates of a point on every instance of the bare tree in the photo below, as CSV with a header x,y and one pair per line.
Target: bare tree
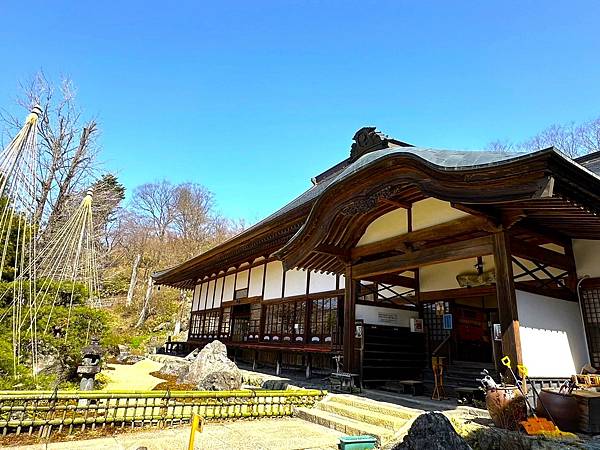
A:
x,y
133,281
571,139
156,203
564,137
68,142
589,135
166,224
146,305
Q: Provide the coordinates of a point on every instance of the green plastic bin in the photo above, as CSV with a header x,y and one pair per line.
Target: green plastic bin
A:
x,y
357,442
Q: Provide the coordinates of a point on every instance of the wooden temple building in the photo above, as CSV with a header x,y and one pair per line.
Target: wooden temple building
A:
x,y
400,253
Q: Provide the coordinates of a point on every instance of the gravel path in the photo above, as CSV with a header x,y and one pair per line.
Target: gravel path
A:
x,y
262,434
134,377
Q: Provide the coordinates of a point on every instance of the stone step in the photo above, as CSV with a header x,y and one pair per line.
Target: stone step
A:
x,y
343,424
362,415
387,409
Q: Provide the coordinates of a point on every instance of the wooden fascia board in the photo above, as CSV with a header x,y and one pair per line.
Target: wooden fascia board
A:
x,y
434,255
516,180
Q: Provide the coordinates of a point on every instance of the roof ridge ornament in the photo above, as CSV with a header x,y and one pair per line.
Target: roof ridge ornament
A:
x,y
366,140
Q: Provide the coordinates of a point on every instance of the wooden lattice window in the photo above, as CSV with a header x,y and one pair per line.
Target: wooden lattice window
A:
x,y
225,323
204,324
254,324
323,321
284,322
590,298
433,318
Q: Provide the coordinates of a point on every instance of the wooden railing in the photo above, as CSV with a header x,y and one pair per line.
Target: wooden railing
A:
x,y
45,412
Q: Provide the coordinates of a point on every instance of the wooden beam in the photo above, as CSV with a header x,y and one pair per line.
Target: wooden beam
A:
x,y
434,296
433,255
350,297
507,299
395,280
492,219
415,238
332,250
540,255
542,233
395,203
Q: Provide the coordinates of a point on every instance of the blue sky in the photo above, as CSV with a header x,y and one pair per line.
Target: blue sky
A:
x,y
253,98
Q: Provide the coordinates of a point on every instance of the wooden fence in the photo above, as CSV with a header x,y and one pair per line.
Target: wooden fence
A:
x,y
45,412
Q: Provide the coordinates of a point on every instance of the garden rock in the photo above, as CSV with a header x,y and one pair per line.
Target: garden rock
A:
x,y
212,370
174,365
432,431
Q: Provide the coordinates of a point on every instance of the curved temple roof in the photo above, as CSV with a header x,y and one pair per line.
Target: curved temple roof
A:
x,y
385,149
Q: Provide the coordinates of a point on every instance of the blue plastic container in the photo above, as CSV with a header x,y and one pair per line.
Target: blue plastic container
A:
x,y
357,442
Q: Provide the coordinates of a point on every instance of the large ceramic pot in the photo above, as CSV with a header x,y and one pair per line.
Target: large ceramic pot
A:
x,y
562,407
507,407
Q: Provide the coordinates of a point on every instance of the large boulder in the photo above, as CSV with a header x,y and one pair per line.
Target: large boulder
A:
x,y
212,370
172,365
432,431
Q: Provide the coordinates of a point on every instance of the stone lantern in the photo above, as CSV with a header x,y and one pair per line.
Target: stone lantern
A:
x,y
90,365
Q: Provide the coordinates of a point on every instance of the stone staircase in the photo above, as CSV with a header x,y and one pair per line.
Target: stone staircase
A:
x,y
353,415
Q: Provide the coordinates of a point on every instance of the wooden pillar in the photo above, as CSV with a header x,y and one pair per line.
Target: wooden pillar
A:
x,y
507,299
309,365
572,275
350,294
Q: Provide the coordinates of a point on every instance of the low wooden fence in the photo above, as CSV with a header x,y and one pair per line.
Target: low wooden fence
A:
x,y
45,412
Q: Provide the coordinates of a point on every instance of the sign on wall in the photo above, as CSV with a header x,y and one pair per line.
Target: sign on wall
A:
x,y
416,325
387,317
447,321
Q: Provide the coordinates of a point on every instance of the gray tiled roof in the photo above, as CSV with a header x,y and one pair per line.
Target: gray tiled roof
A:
x,y
441,159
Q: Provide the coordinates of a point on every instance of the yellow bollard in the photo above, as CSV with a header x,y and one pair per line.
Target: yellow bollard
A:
x,y
197,424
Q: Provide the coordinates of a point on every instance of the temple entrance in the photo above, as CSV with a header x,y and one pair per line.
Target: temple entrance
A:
x,y
472,335
460,329
240,322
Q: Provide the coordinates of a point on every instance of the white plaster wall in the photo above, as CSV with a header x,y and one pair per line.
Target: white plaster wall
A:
x,y
321,282
210,294
274,280
228,294
256,281
196,297
342,281
552,336
431,211
218,292
376,315
390,224
203,292
425,213
242,280
439,277
587,257
295,282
